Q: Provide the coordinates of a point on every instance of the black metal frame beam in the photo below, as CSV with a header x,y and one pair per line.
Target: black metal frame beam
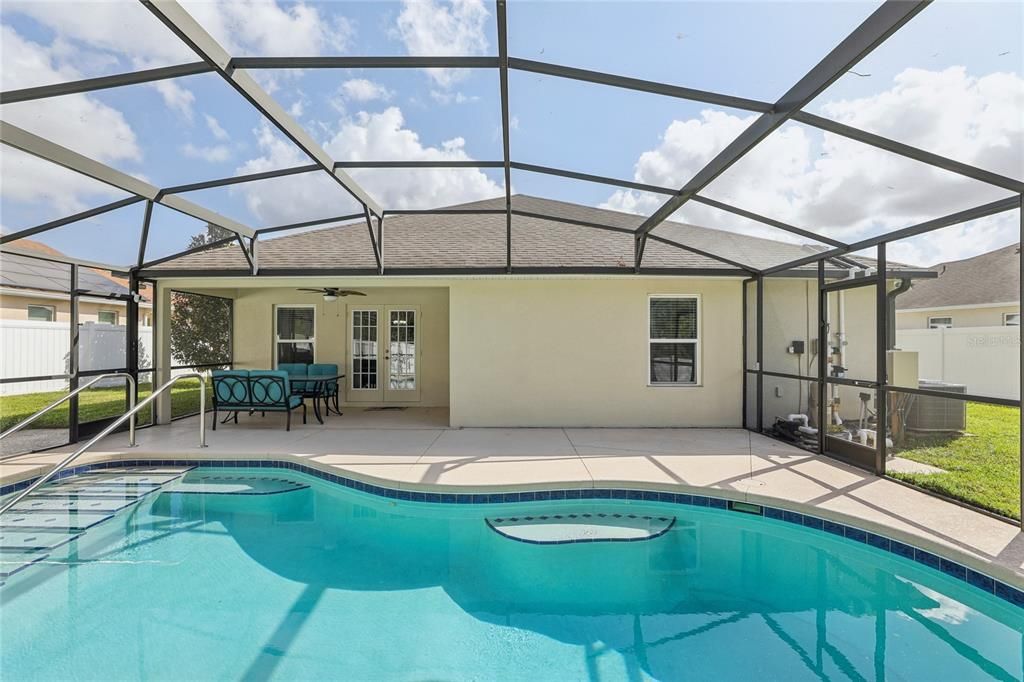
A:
x,y
882,23
502,21
104,82
985,210
60,222
750,215
239,179
190,32
309,223
333,62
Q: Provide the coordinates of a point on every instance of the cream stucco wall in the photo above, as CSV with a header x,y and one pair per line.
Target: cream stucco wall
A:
x,y
254,330
573,352
988,316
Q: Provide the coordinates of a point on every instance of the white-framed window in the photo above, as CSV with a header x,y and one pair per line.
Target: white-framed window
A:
x,y
106,317
1011,319
365,350
940,322
673,340
42,313
294,334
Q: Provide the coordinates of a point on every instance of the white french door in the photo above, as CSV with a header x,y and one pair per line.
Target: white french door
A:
x,y
384,353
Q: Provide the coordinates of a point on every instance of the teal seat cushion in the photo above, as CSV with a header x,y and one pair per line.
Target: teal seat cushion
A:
x,y
294,400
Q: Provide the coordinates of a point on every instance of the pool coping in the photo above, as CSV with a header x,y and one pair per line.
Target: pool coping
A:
x,y
985,575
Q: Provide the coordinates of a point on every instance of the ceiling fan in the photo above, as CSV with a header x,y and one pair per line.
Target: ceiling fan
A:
x,y
333,293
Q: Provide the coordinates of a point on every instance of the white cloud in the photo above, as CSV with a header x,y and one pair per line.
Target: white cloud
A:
x,y
376,136
80,122
455,28
297,108
442,97
176,97
846,189
215,154
215,128
363,90
267,28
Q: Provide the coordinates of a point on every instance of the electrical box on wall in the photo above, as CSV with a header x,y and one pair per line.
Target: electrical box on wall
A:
x,y
796,348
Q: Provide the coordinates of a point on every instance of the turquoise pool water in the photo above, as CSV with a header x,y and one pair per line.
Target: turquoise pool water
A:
x,y
322,582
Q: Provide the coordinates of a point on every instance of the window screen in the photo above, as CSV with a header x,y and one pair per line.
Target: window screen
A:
x,y
673,340
296,334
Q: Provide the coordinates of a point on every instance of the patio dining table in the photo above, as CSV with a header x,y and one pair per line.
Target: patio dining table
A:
x,y
314,386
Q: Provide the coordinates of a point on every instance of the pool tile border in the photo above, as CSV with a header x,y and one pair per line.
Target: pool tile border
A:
x,y
953,569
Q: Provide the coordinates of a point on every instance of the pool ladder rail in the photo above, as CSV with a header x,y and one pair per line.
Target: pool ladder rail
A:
x,y
127,416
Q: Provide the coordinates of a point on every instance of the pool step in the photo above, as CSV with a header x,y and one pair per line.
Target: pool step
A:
x,y
52,520
72,504
60,512
12,562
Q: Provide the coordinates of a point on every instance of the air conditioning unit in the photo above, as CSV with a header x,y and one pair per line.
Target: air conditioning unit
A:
x,y
938,415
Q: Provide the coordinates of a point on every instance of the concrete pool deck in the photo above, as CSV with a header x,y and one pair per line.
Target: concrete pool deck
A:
x,y
415,450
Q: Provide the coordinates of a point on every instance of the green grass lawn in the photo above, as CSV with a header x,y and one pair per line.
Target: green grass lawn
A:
x,y
982,464
95,403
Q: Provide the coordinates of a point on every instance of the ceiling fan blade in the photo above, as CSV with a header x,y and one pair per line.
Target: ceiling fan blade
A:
x,y
349,292
316,291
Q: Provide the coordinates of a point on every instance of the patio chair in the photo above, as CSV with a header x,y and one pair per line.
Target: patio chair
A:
x,y
230,392
295,368
330,391
248,391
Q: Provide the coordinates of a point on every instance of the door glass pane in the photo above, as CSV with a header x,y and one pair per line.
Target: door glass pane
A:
x,y
402,350
364,349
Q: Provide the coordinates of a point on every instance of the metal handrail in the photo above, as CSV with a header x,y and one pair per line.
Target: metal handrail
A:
x,y
120,420
131,406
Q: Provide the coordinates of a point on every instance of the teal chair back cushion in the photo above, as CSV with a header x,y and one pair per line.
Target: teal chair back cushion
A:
x,y
269,387
293,367
326,368
230,386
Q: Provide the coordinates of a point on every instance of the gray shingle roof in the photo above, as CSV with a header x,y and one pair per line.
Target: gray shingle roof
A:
x,y
992,277
478,241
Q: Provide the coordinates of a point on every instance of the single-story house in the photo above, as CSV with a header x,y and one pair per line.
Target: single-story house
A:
x,y
35,289
983,291
593,345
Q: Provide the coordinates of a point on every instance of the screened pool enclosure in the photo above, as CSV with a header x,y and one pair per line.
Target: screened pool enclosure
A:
x,y
833,272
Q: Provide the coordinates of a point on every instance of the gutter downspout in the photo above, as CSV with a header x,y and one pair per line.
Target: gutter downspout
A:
x,y
890,310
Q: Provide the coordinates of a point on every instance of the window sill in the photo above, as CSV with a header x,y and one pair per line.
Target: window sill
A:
x,y
668,385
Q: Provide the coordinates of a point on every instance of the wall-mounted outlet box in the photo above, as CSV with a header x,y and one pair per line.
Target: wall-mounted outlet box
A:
x,y
778,391
796,348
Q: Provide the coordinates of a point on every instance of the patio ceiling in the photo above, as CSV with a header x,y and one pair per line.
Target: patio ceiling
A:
x,y
235,71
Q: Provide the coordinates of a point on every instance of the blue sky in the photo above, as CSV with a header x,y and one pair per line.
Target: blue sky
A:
x,y
950,81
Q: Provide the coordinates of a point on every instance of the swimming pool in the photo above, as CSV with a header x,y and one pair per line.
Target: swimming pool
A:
x,y
232,573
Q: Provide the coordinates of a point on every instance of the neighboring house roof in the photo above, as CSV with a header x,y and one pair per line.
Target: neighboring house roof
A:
x,y
22,272
478,241
992,277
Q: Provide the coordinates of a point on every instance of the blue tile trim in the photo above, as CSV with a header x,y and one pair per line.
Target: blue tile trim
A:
x,y
948,567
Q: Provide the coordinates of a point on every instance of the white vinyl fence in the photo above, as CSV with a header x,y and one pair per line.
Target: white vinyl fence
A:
x,y
985,359
30,348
